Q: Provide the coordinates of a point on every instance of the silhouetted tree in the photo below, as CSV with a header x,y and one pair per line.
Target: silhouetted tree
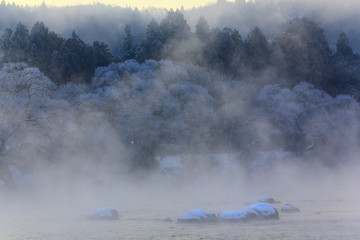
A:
x,y
303,53
19,44
150,47
225,50
102,54
5,45
343,46
203,29
127,45
345,69
42,44
174,26
257,50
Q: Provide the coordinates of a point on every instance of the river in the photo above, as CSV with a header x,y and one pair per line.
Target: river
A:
x,y
317,220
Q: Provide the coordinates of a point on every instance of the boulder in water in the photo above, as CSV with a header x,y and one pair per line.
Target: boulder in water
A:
x,y
268,200
289,208
197,215
232,215
167,220
261,211
104,214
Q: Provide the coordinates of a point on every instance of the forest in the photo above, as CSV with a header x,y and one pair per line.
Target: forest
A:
x,y
167,87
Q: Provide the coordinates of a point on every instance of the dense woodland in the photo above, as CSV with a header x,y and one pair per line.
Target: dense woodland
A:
x,y
177,90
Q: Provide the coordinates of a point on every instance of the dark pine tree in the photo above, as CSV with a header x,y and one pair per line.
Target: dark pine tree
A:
x,y
127,45
257,50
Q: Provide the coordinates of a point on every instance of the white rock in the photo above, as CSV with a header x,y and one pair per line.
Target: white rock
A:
x,y
262,210
105,214
232,215
289,208
254,211
197,215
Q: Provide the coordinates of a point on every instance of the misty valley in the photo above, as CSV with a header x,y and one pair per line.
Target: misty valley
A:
x,y
234,120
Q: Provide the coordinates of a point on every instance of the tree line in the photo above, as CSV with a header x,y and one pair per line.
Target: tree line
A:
x,y
300,53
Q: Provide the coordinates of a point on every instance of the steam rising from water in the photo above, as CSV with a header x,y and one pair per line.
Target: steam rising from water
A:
x,y
75,142
76,161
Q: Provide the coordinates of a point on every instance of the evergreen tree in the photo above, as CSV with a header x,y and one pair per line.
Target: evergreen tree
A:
x,y
20,43
343,46
345,69
127,46
150,47
303,53
257,50
75,60
102,54
202,29
42,44
5,45
225,50
174,26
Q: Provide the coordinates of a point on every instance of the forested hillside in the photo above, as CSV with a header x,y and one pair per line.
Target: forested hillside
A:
x,y
173,89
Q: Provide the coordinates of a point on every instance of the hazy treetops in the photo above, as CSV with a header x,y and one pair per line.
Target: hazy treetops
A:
x,y
161,87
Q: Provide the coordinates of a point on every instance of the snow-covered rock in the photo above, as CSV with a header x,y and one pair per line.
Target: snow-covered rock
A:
x,y
254,211
232,215
267,200
105,214
197,215
262,211
289,208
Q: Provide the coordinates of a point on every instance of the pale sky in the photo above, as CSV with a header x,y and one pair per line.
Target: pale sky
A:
x,y
131,3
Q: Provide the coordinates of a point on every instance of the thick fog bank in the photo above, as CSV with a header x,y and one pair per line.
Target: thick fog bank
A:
x,y
79,146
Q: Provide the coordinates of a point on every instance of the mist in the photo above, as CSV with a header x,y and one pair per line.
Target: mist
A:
x,y
156,112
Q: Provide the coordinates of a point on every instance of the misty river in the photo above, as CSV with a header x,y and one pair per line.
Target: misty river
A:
x,y
317,220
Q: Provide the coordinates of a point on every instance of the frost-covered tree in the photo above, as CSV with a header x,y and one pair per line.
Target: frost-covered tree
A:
x,y
25,98
312,121
155,104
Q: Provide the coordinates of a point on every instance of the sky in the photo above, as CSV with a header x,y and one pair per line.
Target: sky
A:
x,y
130,3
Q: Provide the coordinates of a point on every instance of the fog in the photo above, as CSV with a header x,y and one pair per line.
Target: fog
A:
x,y
86,165
159,137
100,22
